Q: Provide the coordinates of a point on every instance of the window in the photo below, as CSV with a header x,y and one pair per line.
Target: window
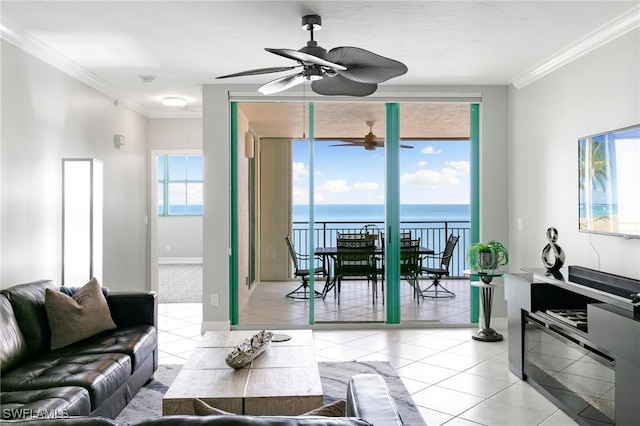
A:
x,y
180,185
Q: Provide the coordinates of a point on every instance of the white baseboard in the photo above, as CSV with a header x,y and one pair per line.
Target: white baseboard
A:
x,y
179,260
215,326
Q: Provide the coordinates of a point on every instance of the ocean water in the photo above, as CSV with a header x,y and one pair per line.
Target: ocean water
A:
x,y
372,213
599,210
424,221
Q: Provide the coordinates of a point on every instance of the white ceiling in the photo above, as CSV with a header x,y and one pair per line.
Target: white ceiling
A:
x,y
187,43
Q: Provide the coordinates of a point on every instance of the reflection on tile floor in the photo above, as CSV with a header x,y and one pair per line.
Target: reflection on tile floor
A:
x,y
453,379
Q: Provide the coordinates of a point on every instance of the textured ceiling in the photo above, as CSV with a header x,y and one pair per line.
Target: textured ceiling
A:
x,y
187,43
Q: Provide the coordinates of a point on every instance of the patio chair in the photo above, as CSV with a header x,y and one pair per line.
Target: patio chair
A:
x,y
410,264
302,292
437,290
356,258
371,231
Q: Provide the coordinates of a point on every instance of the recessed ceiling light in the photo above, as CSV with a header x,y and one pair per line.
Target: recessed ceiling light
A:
x,y
174,101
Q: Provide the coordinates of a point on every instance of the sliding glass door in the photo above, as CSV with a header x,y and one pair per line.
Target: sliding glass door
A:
x,y
326,168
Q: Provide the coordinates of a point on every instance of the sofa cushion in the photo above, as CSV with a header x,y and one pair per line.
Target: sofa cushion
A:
x,y
27,301
254,421
100,374
75,318
78,421
137,342
368,397
12,345
45,403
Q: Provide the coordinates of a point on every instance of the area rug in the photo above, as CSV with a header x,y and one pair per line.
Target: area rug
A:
x,y
334,377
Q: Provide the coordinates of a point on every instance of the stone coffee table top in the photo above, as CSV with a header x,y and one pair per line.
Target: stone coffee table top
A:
x,y
284,380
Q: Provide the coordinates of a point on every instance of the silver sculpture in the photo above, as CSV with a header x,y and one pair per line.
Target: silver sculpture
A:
x,y
558,253
249,349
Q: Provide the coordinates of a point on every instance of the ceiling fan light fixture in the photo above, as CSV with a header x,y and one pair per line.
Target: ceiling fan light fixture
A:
x,y
174,101
312,73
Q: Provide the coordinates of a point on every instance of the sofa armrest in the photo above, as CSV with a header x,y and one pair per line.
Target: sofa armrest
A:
x,y
133,308
368,398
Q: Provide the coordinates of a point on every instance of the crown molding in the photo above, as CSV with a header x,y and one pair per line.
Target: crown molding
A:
x,y
35,47
599,37
175,113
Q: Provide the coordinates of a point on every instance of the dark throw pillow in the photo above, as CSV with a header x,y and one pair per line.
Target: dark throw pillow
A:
x,y
78,317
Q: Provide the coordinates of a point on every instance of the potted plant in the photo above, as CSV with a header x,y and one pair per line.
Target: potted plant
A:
x,y
487,256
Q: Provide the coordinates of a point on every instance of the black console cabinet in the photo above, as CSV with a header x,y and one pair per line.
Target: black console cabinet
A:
x,y
589,367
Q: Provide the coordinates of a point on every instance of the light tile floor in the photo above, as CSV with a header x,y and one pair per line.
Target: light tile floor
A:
x,y
453,379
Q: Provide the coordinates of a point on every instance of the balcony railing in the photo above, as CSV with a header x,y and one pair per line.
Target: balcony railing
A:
x,y
432,234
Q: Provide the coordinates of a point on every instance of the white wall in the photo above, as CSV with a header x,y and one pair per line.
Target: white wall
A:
x,y
596,93
494,179
47,115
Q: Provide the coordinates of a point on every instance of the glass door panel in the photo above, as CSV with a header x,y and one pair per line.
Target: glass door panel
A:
x,y
349,197
434,204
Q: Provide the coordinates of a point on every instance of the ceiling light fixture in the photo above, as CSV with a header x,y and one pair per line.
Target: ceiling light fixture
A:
x,y
174,101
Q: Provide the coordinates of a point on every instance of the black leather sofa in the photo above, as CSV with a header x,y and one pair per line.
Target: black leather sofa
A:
x,y
97,376
368,402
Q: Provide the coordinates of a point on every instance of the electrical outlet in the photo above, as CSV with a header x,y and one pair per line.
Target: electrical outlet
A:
x,y
520,224
215,300
168,249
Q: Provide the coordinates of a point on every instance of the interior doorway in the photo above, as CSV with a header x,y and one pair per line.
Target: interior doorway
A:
x,y
176,225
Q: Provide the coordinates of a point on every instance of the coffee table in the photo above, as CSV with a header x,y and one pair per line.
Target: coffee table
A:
x,y
284,380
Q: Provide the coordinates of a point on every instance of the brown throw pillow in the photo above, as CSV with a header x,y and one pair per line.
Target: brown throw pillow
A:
x,y
335,409
201,408
75,318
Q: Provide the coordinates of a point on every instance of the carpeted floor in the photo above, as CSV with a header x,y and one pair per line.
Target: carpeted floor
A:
x,y
180,283
333,375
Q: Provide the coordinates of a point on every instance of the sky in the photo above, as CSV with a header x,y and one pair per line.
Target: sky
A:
x,y
433,172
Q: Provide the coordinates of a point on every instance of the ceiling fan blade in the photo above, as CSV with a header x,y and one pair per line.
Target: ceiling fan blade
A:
x,y
258,71
341,86
350,144
364,66
305,57
280,84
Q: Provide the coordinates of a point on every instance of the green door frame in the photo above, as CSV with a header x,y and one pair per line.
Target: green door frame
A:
x,y
392,213
312,236
474,139
233,211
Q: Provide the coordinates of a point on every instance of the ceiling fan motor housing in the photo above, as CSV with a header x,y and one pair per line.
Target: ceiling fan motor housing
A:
x,y
311,22
312,48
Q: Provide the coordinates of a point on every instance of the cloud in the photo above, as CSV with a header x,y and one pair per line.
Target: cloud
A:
x,y
437,178
463,167
421,163
300,170
429,150
340,186
300,195
367,186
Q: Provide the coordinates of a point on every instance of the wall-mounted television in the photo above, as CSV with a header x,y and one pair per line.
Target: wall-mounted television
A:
x,y
609,182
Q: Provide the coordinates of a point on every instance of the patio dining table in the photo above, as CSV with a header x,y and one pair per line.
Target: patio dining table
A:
x,y
332,252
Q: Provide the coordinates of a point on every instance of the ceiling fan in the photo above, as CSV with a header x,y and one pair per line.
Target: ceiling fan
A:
x,y
346,71
370,141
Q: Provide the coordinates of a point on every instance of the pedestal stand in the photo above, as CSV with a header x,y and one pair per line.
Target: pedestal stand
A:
x,y
486,333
